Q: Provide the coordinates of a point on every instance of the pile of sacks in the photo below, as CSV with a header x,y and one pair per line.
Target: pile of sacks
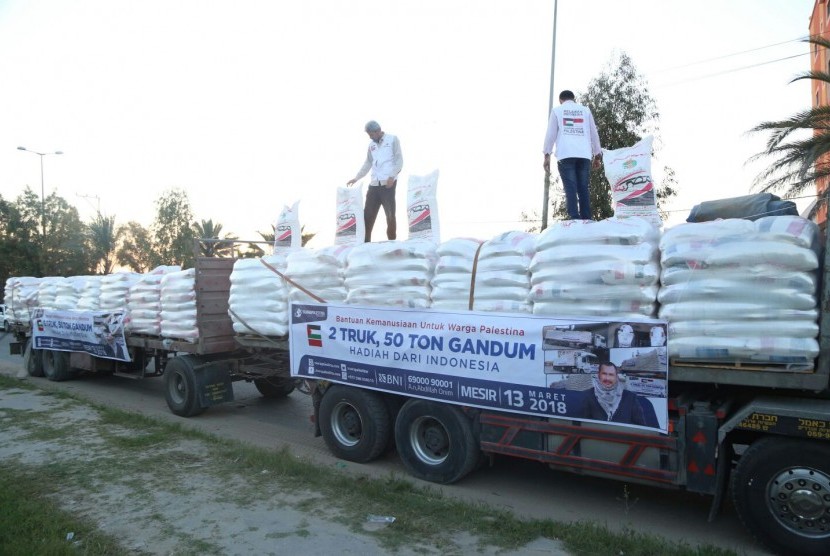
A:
x,y
258,300
606,269
178,305
737,289
390,273
144,301
730,289
20,297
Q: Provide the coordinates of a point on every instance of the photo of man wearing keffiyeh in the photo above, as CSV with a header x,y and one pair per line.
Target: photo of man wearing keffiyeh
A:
x,y
610,400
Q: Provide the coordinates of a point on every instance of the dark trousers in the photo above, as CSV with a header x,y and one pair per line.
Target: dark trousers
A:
x,y
576,175
376,197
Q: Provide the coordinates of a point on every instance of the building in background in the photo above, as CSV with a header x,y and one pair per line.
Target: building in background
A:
x,y
820,61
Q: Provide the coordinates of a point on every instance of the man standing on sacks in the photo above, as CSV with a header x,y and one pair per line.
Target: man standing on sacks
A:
x,y
385,160
572,129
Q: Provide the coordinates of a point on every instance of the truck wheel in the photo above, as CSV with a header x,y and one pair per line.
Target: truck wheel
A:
x,y
355,423
274,387
33,360
180,387
435,441
56,365
781,490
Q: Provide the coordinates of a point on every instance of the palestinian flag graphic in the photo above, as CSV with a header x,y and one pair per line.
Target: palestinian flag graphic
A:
x,y
570,122
314,337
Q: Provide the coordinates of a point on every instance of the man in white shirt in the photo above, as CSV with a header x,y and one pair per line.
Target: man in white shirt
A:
x,y
572,129
385,160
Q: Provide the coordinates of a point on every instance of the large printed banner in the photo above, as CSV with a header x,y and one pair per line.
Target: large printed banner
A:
x,y
99,333
586,370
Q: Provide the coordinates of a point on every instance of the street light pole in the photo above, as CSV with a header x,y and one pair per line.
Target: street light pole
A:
x,y
546,195
42,189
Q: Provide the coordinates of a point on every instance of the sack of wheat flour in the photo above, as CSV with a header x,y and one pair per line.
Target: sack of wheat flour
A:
x,y
350,227
287,232
632,187
422,207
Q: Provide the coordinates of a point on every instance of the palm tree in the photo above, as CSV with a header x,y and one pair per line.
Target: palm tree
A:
x,y
802,163
268,237
208,234
103,239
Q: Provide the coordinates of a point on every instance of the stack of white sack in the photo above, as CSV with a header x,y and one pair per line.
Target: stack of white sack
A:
x,y
606,269
47,291
178,306
68,293
736,289
452,280
319,272
144,301
115,289
90,297
391,273
258,302
501,282
20,296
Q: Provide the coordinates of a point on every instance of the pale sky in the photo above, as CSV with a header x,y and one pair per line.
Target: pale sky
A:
x,y
252,105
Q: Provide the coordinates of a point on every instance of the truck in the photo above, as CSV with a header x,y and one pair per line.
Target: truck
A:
x,y
570,361
758,432
570,338
196,375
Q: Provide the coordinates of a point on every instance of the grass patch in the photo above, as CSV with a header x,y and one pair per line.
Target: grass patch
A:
x,y
31,523
137,450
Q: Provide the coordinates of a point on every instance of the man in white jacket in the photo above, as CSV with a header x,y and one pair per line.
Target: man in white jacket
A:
x,y
385,160
572,129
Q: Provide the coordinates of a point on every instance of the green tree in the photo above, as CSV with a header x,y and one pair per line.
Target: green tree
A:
x,y
625,112
215,246
171,230
65,251
135,247
799,162
103,241
27,225
667,190
13,257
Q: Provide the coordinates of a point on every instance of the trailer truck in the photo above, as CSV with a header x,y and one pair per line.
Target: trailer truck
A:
x,y
197,374
758,432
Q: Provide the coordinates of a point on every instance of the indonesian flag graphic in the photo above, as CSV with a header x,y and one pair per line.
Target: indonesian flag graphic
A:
x,y
569,122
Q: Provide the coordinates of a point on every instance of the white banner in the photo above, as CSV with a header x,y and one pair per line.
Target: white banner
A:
x,y
591,370
99,333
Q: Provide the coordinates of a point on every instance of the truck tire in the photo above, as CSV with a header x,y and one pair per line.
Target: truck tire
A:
x,y
33,360
435,441
355,423
56,365
781,490
274,387
180,389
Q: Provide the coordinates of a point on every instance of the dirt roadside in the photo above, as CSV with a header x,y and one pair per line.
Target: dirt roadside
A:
x,y
173,499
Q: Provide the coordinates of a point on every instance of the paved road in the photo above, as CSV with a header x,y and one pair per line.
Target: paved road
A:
x,y
527,488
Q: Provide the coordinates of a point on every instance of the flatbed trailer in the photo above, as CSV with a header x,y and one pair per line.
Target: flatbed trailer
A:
x,y
196,374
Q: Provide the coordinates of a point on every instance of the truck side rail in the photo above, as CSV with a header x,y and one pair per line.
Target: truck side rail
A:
x,y
501,435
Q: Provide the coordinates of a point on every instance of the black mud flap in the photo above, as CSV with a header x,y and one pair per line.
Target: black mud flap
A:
x,y
16,348
214,385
